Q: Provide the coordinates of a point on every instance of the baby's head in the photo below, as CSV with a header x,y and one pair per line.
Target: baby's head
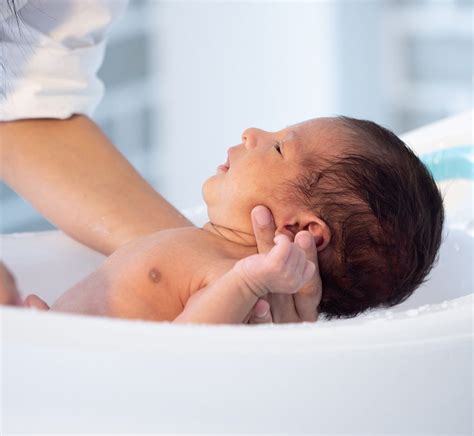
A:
x,y
373,208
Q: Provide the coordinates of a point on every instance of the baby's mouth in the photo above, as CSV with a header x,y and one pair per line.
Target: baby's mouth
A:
x,y
224,167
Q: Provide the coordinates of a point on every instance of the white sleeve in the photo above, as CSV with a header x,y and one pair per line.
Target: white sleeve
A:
x,y
49,59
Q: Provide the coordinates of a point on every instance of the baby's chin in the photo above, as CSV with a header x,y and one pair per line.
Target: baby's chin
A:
x,y
228,219
216,217
207,190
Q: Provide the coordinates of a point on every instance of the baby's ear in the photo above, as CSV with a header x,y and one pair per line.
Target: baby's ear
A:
x,y
316,226
290,230
321,233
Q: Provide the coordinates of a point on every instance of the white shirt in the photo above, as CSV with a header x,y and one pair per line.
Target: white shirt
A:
x,y
49,65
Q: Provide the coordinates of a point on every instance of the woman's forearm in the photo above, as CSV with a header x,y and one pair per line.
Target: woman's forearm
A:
x,y
74,176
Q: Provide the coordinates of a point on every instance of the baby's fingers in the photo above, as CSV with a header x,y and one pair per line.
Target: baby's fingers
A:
x,y
281,251
295,262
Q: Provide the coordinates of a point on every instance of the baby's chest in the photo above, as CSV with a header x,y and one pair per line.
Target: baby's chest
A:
x,y
147,280
159,289
156,277
166,287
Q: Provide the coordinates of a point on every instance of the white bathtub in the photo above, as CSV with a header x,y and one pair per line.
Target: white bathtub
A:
x,y
407,370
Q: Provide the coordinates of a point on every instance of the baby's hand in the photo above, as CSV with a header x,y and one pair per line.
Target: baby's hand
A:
x,y
284,269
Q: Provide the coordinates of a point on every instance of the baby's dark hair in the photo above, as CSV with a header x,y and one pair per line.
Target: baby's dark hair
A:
x,y
385,214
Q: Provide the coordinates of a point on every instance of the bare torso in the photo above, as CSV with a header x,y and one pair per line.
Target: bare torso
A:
x,y
153,277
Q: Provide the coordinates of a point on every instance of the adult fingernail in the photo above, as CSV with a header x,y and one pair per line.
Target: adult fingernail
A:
x,y
261,312
262,215
261,309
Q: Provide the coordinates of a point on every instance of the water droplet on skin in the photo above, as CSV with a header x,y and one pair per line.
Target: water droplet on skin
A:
x,y
101,226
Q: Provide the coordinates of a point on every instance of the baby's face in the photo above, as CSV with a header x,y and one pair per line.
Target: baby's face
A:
x,y
260,167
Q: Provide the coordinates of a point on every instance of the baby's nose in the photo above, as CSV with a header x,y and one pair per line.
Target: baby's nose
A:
x,y
251,136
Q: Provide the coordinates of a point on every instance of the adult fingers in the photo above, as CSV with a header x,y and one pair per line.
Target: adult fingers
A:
x,y
261,313
35,302
258,311
308,270
307,299
263,228
283,309
9,294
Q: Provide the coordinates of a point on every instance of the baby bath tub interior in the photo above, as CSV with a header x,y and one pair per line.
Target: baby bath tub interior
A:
x,y
404,370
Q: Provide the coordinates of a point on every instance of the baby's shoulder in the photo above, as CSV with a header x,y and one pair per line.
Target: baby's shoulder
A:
x,y
199,246
192,247
183,240
194,253
202,254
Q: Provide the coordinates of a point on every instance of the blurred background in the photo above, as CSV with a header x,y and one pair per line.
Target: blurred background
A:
x,y
185,78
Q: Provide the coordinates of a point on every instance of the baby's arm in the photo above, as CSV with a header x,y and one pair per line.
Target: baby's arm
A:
x,y
229,299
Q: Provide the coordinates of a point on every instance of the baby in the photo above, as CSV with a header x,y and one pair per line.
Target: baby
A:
x,y
346,189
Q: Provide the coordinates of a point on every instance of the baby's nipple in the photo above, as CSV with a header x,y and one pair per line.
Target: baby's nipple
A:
x,y
154,275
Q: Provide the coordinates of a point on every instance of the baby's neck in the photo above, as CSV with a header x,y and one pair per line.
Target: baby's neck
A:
x,y
230,235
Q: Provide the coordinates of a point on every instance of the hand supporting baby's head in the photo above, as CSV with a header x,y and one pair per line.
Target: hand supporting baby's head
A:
x,y
371,205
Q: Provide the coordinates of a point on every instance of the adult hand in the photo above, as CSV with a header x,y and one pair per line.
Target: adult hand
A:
x,y
283,308
9,294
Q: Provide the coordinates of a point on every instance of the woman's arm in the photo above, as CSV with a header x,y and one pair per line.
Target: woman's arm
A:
x,y
71,172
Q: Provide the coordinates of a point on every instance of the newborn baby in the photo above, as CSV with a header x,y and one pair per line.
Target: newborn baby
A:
x,y
346,189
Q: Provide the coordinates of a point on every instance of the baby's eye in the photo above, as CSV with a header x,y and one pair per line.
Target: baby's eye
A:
x,y
278,148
